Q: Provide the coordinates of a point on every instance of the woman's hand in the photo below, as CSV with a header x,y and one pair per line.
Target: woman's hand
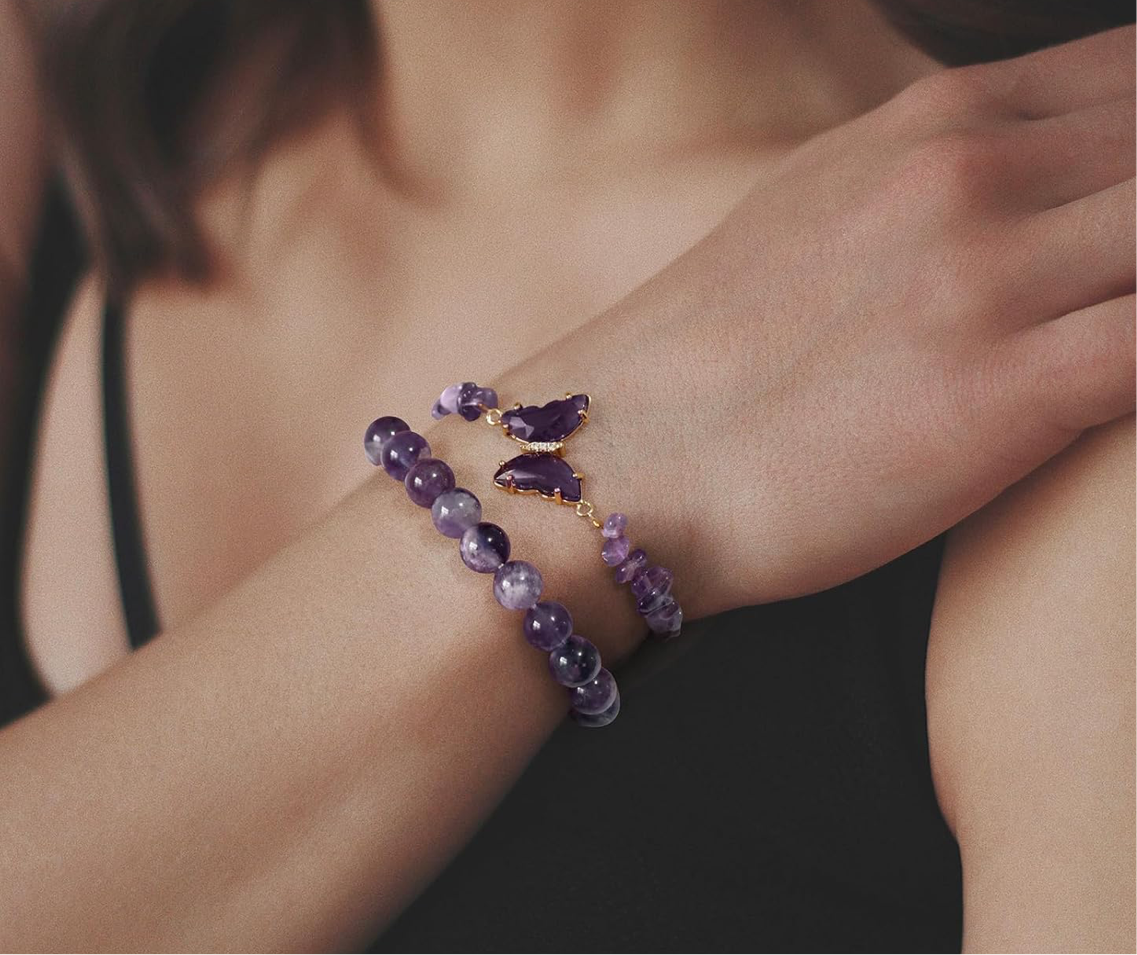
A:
x,y
907,315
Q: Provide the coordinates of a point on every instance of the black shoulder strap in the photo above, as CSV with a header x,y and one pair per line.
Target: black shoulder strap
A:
x,y
126,524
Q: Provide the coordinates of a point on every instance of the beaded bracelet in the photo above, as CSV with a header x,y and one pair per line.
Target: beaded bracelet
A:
x,y
457,513
542,470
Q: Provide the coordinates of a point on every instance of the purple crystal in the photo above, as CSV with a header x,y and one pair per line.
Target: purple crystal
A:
x,y
666,619
600,719
401,451
468,397
447,402
615,550
631,567
427,478
484,547
595,696
615,525
517,585
543,473
379,431
455,511
576,663
650,579
547,625
552,422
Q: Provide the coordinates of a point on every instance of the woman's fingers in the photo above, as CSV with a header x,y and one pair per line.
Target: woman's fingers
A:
x,y
1079,369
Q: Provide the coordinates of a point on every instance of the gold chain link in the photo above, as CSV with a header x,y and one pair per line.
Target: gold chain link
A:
x,y
587,511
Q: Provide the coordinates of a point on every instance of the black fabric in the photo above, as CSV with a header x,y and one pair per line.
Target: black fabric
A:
x,y
766,788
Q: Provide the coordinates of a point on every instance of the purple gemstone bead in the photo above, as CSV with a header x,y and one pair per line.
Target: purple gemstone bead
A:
x,y
614,525
631,567
650,579
455,511
600,719
484,547
488,398
615,550
468,401
427,478
447,402
596,695
379,431
667,618
517,585
547,625
401,451
576,663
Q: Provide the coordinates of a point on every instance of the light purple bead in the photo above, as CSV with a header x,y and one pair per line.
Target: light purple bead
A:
x,y
427,478
547,625
379,431
455,511
484,547
517,585
650,579
636,562
595,696
401,451
576,663
615,525
667,618
615,550
600,719
447,402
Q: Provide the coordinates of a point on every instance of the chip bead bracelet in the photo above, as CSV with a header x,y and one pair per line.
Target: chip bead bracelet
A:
x,y
541,469
574,662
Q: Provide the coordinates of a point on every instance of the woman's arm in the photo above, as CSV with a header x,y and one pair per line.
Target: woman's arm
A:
x,y
1031,704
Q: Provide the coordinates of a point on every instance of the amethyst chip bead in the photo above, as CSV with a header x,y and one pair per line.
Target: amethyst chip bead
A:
x,y
517,585
426,479
484,547
667,618
630,568
576,663
615,550
455,511
615,525
379,431
595,696
547,625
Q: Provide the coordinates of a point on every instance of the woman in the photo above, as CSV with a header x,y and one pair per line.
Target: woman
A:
x,y
829,300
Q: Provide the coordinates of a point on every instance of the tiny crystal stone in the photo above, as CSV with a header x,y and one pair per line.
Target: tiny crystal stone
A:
x,y
650,579
401,451
667,618
455,511
631,567
547,625
379,431
595,696
484,547
517,585
615,550
615,525
576,663
427,478
599,719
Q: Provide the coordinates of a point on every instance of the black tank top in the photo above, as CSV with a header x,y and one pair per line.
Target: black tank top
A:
x,y
766,788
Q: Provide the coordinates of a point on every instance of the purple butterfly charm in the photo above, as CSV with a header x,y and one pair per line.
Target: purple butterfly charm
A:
x,y
542,430
545,474
546,424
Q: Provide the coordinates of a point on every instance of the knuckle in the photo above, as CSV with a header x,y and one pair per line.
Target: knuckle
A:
x,y
947,93
958,169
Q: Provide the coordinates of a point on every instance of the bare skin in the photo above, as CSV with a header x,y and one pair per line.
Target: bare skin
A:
x,y
290,335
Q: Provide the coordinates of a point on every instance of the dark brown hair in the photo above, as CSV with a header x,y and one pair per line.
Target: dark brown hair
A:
x,y
131,84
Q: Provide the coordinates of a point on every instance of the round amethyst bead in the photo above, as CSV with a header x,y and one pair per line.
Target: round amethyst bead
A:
x,y
615,550
484,547
427,478
455,511
379,431
600,719
631,567
615,525
517,585
666,618
576,663
595,696
400,452
547,625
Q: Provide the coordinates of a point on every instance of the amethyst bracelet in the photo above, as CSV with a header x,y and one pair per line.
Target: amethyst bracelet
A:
x,y
541,469
574,662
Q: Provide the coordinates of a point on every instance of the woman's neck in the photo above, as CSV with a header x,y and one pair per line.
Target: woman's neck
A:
x,y
477,95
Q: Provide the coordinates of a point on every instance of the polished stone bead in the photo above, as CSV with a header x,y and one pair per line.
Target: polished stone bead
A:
x,y
546,474
576,663
447,402
468,398
455,511
379,431
427,478
615,525
596,695
484,547
667,618
615,550
517,585
547,625
599,719
554,421
630,568
651,578
401,451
